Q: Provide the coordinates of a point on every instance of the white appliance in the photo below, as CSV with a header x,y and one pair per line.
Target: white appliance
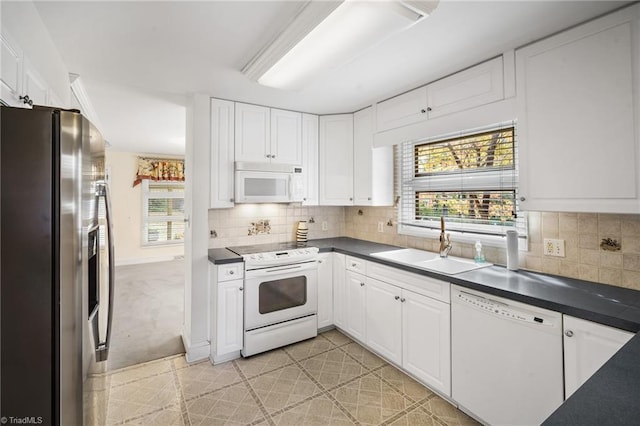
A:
x,y
268,183
280,296
506,359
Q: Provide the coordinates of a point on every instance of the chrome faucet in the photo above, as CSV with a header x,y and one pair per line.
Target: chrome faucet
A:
x,y
445,240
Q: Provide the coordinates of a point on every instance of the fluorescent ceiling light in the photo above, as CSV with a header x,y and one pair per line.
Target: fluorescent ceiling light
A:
x,y
327,35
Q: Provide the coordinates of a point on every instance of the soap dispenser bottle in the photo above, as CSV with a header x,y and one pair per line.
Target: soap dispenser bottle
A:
x,y
479,257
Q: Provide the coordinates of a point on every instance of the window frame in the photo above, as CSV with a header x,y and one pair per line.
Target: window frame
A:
x,y
505,178
146,219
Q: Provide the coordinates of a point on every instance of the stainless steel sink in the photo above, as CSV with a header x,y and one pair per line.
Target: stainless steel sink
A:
x,y
430,261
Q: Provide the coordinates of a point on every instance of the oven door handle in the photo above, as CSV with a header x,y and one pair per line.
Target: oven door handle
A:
x,y
286,268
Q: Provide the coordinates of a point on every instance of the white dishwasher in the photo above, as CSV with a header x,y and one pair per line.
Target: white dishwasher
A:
x,y
506,359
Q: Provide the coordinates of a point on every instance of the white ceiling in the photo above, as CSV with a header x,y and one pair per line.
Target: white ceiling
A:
x,y
140,59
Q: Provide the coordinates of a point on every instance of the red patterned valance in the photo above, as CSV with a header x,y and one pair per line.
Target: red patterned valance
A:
x,y
159,169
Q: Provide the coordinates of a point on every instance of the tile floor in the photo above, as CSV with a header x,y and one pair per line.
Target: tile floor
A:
x,y
328,380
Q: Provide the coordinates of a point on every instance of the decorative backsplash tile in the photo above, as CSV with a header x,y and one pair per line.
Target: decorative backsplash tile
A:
x,y
260,227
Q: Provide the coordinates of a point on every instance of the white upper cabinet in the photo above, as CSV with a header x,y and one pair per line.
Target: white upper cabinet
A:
x,y
34,85
286,137
222,155
372,167
268,135
473,87
587,346
408,108
336,160
310,158
578,123
11,78
253,133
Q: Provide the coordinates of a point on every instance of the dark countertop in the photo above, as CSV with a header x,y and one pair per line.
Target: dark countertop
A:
x,y
610,396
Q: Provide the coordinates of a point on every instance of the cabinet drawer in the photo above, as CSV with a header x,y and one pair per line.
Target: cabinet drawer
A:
x,y
355,264
420,284
231,271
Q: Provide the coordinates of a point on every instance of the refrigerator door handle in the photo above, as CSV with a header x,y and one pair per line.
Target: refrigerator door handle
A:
x,y
102,348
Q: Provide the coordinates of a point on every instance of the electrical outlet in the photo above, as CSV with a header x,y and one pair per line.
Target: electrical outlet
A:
x,y
380,226
325,225
553,247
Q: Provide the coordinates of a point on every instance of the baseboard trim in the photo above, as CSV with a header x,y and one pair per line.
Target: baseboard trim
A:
x,y
139,260
196,352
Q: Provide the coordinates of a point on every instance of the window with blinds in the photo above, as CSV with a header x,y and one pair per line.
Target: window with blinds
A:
x,y
470,179
162,212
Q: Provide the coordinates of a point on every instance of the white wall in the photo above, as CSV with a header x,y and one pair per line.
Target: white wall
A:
x,y
196,297
22,22
127,212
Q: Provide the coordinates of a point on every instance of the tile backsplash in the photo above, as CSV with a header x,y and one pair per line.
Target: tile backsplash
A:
x,y
581,232
247,224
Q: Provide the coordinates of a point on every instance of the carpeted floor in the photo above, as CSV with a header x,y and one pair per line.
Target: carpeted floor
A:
x,y
148,313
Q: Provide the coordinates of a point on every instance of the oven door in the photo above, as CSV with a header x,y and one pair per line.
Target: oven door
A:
x,y
280,293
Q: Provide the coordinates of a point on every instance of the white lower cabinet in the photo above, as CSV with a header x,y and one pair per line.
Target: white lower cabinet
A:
x,y
227,311
384,319
355,305
426,340
339,290
402,316
325,290
587,346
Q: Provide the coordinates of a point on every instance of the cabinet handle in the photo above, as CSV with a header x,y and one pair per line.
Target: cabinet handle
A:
x,y
568,333
319,261
522,199
403,299
361,284
350,198
25,100
268,155
397,297
425,110
273,156
368,198
240,288
231,272
231,199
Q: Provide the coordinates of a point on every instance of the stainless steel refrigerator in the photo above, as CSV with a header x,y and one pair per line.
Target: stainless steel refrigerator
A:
x,y
56,268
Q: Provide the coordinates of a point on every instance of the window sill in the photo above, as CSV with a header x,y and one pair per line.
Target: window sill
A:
x,y
462,237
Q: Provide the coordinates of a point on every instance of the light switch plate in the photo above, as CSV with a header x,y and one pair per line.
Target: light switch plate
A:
x,y
553,247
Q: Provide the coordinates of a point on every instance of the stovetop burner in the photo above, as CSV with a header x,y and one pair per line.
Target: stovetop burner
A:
x,y
266,248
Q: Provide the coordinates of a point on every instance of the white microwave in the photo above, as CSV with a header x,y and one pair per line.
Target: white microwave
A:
x,y
268,183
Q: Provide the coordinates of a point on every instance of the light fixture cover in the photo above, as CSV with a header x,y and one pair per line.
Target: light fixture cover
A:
x,y
326,35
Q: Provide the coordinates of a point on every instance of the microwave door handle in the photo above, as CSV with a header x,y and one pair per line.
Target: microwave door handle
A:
x,y
102,348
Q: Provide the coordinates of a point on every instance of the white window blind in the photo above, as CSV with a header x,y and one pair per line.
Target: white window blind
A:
x,y
470,179
162,212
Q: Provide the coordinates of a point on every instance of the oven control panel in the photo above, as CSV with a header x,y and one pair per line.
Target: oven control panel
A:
x,y
281,257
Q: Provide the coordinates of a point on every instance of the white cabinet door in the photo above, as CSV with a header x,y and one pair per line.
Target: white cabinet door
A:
x,y
362,157
577,108
426,340
384,319
34,85
372,167
310,158
408,108
355,305
339,290
229,313
286,137
587,346
11,72
325,290
222,154
253,134
336,160
475,86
